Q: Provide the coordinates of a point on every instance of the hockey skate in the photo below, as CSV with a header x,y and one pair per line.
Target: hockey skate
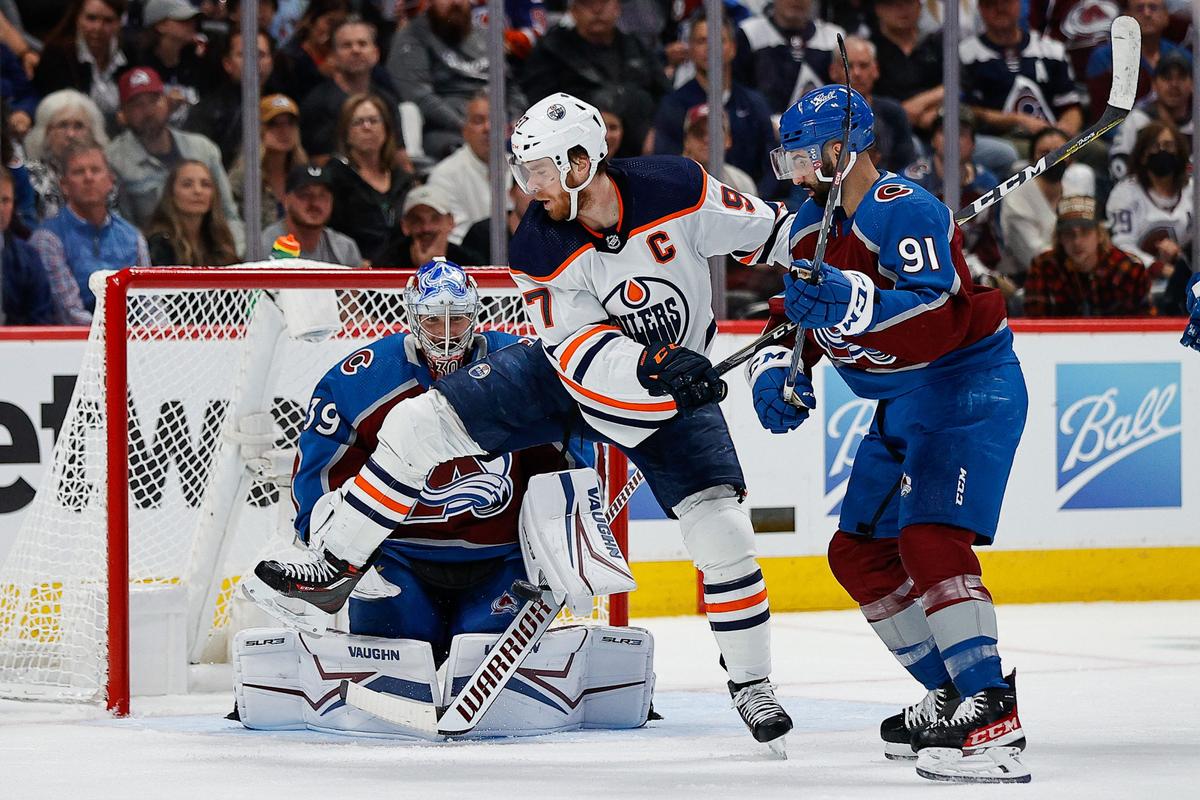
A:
x,y
897,730
766,719
296,592
981,742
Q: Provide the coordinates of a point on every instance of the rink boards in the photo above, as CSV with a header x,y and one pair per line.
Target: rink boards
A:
x,y
1098,505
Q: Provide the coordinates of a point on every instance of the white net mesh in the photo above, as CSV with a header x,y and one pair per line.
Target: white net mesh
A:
x,y
203,500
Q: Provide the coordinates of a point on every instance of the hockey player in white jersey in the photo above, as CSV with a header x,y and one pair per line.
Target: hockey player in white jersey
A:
x,y
612,262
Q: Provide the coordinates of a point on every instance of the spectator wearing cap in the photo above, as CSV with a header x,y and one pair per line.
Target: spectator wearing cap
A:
x,y
84,236
1170,102
366,174
308,205
894,145
695,147
146,153
1027,216
353,66
1084,274
1018,82
751,132
929,172
1153,19
439,61
591,54
785,52
424,233
279,151
218,115
464,175
84,53
24,288
168,45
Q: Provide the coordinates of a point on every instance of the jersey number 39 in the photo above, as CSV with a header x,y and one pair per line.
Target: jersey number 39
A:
x,y
916,253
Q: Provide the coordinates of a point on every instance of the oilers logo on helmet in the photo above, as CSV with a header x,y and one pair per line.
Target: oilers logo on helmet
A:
x,y
649,310
472,485
556,112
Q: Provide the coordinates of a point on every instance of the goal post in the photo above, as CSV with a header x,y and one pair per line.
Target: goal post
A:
x,y
171,471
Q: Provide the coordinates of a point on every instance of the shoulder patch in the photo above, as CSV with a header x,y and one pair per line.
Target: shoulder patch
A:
x,y
358,360
890,191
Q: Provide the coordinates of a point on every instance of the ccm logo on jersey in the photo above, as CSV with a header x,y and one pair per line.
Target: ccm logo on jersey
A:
x,y
357,360
649,310
890,191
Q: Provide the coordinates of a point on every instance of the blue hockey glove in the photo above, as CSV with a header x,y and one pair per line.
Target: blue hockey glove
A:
x,y
1191,334
767,372
686,375
838,298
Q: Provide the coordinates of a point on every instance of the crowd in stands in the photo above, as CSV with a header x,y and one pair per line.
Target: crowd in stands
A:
x,y
122,130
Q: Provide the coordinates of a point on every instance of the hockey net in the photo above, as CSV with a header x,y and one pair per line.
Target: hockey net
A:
x,y
184,482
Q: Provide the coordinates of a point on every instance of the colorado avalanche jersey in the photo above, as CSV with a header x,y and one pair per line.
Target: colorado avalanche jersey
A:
x,y
468,509
597,297
929,319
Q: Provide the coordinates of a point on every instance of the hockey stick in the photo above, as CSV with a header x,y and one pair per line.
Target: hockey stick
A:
x,y
1126,54
494,672
831,203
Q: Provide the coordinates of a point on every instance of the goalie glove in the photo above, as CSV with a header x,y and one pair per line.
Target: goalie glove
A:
x,y
688,376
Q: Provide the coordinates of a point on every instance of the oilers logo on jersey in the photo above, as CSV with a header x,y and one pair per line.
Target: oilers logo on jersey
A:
x,y
482,487
649,309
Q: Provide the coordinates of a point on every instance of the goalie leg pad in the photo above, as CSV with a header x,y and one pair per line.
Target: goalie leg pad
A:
x,y
578,677
718,535
566,542
286,680
415,436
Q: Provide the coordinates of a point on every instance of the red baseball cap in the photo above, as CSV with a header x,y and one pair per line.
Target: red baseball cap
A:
x,y
140,80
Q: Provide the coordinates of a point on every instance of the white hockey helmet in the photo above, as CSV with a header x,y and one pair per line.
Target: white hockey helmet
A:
x,y
442,304
549,129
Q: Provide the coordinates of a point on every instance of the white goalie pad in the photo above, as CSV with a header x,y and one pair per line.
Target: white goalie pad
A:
x,y
580,676
287,680
566,541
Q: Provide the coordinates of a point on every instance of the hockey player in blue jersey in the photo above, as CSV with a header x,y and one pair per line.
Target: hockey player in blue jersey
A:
x,y
456,555
894,309
1191,334
612,262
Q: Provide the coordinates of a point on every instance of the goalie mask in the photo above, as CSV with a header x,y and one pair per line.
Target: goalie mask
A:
x,y
546,134
441,303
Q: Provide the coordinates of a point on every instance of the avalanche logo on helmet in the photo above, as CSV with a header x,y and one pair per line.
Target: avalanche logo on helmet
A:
x,y
470,484
649,310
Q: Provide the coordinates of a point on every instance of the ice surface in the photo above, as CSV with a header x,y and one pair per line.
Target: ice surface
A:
x,y
1109,697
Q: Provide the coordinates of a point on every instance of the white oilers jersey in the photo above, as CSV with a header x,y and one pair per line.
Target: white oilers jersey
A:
x,y
598,297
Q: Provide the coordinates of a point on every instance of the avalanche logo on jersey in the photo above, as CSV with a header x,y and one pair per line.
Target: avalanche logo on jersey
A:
x,y
1118,431
847,421
838,349
470,484
649,310
505,604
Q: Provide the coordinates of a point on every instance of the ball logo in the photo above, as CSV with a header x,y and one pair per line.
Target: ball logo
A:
x,y
1118,435
847,421
479,371
649,310
465,485
556,112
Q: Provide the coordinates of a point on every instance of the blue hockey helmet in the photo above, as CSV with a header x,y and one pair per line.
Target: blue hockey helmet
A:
x,y
816,119
441,302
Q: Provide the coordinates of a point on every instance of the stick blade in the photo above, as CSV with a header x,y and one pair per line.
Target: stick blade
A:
x,y
420,718
1127,59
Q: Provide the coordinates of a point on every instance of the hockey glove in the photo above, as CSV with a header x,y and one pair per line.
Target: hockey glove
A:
x,y
684,374
766,373
842,299
1191,334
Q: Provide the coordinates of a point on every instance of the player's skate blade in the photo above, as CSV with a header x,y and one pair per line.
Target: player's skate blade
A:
x,y
766,719
291,612
993,765
897,730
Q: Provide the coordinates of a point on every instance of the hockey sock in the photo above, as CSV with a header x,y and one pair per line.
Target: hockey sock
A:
x,y
871,572
958,607
720,539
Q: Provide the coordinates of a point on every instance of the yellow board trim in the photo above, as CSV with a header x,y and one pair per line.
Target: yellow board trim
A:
x,y
804,583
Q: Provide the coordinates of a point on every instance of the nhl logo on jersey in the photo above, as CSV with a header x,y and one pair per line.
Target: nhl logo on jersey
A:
x,y
556,112
613,241
479,371
905,484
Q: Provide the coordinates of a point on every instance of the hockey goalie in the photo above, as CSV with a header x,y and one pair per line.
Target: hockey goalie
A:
x,y
438,595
